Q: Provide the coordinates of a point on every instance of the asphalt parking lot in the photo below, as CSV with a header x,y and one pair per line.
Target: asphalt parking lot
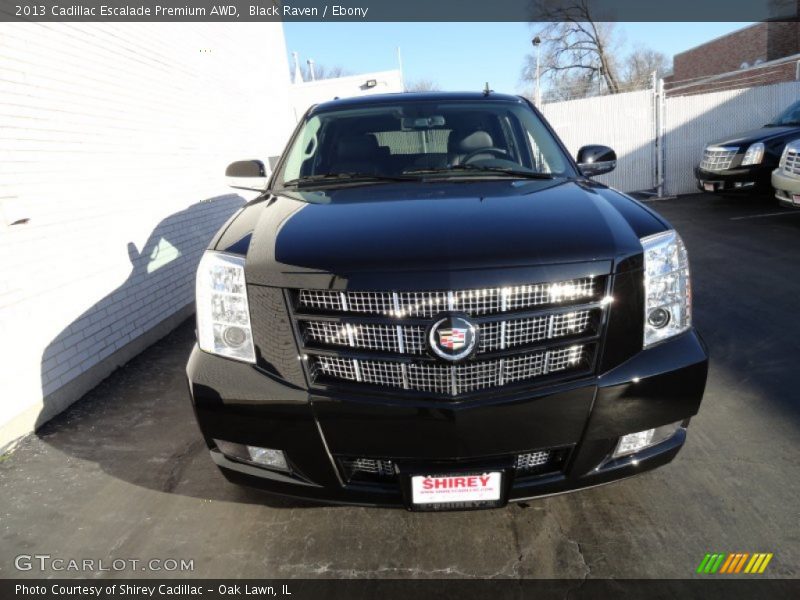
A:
x,y
125,474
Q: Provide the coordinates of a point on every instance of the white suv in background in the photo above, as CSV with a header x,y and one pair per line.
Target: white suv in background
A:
x,y
786,178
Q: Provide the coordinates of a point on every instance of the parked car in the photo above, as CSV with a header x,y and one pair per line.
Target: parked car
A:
x,y
744,162
433,306
786,178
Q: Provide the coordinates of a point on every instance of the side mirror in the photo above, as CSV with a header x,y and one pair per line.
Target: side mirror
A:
x,y
133,253
596,160
247,175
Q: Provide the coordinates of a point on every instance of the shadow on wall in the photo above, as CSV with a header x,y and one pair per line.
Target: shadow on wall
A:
x,y
154,299
137,423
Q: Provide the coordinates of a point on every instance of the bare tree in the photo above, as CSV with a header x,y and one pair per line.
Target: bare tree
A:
x,y
422,85
570,85
642,63
576,49
323,72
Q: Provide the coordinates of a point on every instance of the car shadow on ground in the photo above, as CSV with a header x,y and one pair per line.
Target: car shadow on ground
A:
x,y
138,426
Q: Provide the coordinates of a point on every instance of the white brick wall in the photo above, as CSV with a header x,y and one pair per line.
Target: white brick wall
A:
x,y
113,143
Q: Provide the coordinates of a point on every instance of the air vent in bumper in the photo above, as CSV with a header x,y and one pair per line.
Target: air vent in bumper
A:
x,y
368,470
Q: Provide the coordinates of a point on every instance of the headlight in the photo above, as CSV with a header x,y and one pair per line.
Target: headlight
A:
x,y
668,292
754,154
223,316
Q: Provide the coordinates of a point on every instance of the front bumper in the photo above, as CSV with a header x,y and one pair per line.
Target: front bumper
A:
x,y
787,187
239,403
737,180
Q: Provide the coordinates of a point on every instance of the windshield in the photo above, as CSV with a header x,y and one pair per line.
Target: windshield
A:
x,y
791,116
422,139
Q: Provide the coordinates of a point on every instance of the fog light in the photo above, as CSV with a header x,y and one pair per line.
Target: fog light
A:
x,y
234,336
268,457
634,442
658,317
263,457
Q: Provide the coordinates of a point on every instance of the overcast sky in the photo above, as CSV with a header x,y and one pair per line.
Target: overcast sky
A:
x,y
463,56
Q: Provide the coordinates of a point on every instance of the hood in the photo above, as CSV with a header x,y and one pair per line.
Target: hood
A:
x,y
764,134
441,229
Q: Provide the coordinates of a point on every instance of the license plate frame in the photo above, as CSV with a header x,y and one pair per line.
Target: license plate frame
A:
x,y
457,490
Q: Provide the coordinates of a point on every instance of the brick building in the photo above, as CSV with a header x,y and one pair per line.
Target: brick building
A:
x,y
760,54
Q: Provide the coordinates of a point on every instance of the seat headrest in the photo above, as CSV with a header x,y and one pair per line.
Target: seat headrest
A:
x,y
361,146
467,142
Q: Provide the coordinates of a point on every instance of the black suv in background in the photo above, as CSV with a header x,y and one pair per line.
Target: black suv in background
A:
x,y
744,162
433,306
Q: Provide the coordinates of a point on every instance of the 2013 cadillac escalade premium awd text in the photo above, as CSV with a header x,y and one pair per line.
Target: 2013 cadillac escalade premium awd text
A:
x,y
432,306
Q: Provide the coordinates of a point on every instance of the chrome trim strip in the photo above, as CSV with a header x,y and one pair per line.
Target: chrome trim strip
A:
x,y
328,452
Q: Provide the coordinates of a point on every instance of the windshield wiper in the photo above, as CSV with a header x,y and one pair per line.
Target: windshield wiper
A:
x,y
511,171
344,178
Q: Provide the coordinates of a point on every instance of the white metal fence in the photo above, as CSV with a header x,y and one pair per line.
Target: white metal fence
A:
x,y
625,122
629,124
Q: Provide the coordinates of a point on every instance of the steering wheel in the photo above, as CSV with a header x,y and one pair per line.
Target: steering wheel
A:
x,y
488,150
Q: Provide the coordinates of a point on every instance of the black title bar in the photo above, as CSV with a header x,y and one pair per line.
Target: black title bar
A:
x,y
390,589
395,10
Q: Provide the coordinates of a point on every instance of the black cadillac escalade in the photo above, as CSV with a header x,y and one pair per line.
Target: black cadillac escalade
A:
x,y
433,306
744,162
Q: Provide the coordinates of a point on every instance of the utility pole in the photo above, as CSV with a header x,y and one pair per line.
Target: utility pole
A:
x,y
400,67
297,76
537,43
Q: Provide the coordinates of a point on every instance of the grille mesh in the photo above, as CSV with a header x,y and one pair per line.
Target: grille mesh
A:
x,y
717,159
368,470
531,460
374,466
472,302
388,338
452,379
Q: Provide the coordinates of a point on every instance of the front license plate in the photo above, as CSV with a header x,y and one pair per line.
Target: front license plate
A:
x,y
709,186
796,199
470,490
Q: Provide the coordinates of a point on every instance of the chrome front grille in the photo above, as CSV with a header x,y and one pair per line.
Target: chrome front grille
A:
x,y
718,158
381,339
410,339
791,164
473,302
454,379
